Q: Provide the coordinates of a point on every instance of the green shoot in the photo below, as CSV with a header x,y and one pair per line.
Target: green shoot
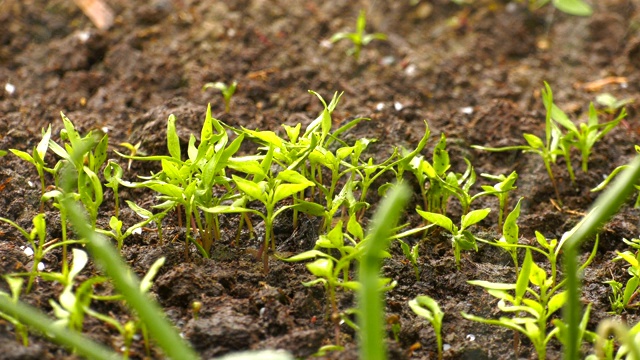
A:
x,y
358,38
611,104
412,255
613,174
113,175
15,286
510,234
627,337
37,159
461,238
571,7
226,90
371,307
428,308
133,151
500,190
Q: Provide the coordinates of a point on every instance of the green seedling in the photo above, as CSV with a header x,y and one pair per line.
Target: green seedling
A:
x,y
613,175
3,152
37,159
571,7
461,238
628,339
15,286
548,149
89,187
358,38
226,90
511,234
584,137
412,255
116,230
534,298
611,104
500,190
190,183
36,239
435,196
133,151
624,299
428,308
113,175
146,214
71,308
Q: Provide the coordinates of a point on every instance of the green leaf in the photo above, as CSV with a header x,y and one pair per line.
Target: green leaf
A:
x,y
293,177
310,208
171,190
23,155
246,164
441,156
474,217
533,141
629,258
355,229
523,277
510,229
538,276
311,254
173,141
147,280
630,289
292,132
438,219
256,191
321,268
428,308
556,302
492,285
573,7
44,143
268,137
283,191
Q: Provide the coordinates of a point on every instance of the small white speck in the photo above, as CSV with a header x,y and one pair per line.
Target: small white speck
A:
x,y
511,7
231,32
137,231
123,348
379,106
624,85
182,335
262,311
28,251
137,337
398,106
9,88
105,129
83,36
467,110
388,60
40,266
30,183
471,337
410,70
446,347
327,44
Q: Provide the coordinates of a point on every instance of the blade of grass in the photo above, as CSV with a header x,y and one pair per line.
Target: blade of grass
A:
x,y
371,318
606,205
73,340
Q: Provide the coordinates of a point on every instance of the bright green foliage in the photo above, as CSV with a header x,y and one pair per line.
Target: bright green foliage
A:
x,y
113,175
571,7
85,155
226,90
511,233
461,238
71,308
534,298
500,190
628,339
37,159
15,286
583,137
623,299
358,38
428,308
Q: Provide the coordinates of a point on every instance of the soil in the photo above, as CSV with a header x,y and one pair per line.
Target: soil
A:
x,y
473,73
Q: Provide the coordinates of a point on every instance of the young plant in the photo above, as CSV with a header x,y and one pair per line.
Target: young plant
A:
x,y
436,196
412,255
623,299
611,104
583,137
511,234
226,90
461,238
113,175
37,159
613,174
500,190
548,149
358,38
428,308
15,286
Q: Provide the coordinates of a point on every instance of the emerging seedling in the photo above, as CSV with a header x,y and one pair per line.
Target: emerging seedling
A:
x,y
15,286
358,38
226,90
37,159
461,238
428,308
571,7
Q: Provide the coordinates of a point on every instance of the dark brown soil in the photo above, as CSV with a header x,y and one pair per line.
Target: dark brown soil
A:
x,y
489,59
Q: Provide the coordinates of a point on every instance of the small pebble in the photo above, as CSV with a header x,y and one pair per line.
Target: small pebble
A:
x,y
467,110
379,106
28,251
471,337
9,88
398,106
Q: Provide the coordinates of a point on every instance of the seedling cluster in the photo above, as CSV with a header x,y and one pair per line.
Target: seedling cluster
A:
x,y
314,173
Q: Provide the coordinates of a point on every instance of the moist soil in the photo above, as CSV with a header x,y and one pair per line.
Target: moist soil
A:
x,y
473,73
